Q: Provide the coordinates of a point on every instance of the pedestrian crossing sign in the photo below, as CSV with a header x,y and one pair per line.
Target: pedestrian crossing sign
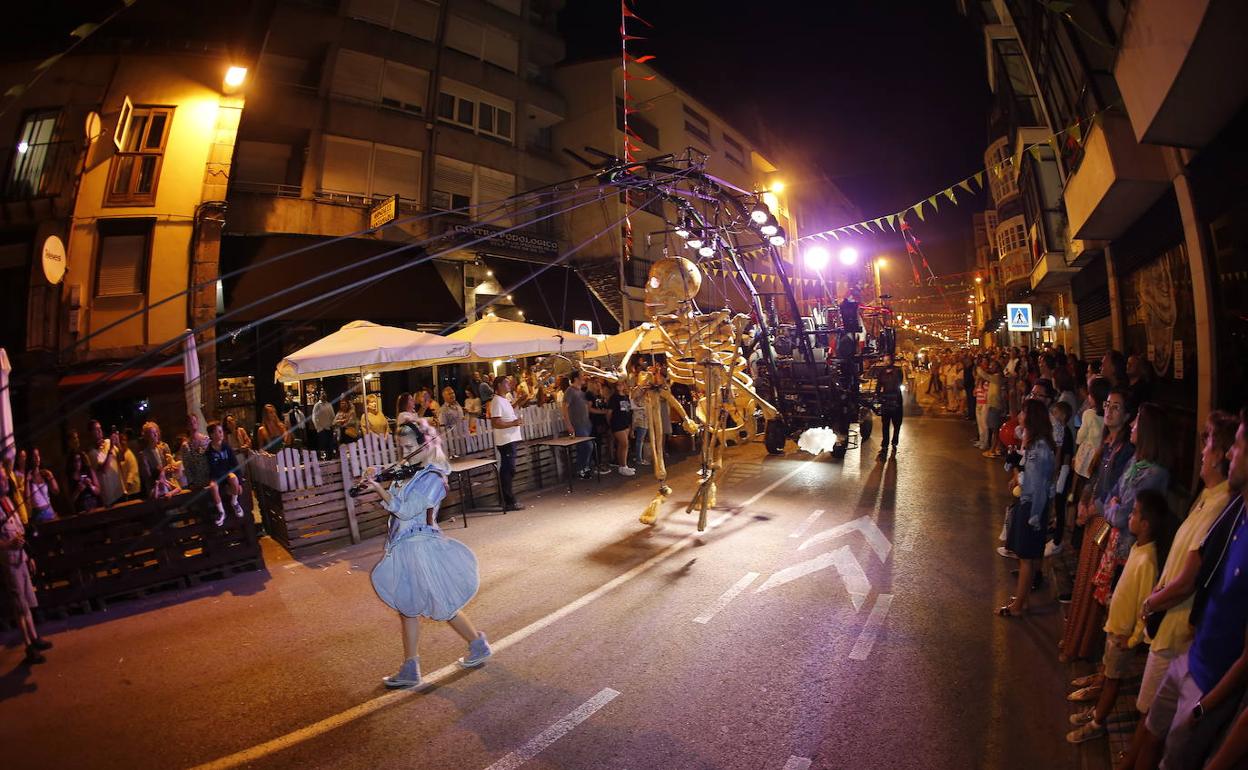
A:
x,y
1019,317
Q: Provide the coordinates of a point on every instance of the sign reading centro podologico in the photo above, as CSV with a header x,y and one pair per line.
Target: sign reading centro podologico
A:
x,y
383,213
53,259
1018,316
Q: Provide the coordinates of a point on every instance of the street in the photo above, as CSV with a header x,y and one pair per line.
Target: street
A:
x,y
836,615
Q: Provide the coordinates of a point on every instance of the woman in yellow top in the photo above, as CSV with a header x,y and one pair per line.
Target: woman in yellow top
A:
x,y
374,420
1177,584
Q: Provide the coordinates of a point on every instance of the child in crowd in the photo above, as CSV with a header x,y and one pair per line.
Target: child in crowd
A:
x,y
164,486
1153,525
223,472
1088,440
1060,414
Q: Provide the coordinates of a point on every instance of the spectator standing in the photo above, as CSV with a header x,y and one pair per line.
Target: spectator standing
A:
x,y
84,489
235,436
576,419
17,578
1064,441
640,425
14,471
1201,689
154,457
450,414
968,386
323,425
996,408
425,408
346,422
1029,516
102,457
1152,526
620,421
1139,381
1088,439
374,421
507,434
193,455
482,388
983,442
272,433
128,466
599,415
892,410
472,404
40,487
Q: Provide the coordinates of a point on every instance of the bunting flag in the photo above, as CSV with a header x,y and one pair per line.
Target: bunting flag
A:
x,y
932,201
965,184
949,194
627,13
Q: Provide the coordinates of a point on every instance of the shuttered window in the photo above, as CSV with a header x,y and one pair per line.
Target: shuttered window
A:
x,y
121,264
404,87
492,187
357,75
501,49
418,18
452,184
358,168
265,162
346,166
488,44
396,171
464,36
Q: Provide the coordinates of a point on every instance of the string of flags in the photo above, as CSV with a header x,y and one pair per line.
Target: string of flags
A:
x,y
1074,135
630,149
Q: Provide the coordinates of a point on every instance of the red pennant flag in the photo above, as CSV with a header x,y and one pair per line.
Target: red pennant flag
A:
x,y
628,13
640,59
638,77
633,37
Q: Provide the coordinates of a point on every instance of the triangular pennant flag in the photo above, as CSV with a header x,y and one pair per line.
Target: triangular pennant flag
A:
x,y
865,226
979,179
855,229
48,62
82,30
918,209
632,37
626,11
879,223
965,184
949,194
932,201
835,236
1034,151
892,221
641,59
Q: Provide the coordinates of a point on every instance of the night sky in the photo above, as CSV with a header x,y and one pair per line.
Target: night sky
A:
x,y
890,96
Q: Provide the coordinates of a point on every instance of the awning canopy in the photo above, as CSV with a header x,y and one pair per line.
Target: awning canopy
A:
x,y
494,337
363,346
119,375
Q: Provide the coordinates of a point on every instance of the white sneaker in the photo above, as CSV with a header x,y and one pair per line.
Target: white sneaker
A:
x,y
1007,553
220,516
1051,550
627,471
238,508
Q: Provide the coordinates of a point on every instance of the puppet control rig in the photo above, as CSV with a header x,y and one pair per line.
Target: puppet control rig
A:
x,y
811,367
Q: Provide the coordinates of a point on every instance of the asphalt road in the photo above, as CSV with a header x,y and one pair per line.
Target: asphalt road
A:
x,y
782,638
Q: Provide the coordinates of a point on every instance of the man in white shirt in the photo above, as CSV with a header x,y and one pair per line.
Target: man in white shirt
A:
x,y
323,422
507,434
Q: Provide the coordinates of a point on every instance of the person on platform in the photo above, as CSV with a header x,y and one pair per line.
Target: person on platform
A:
x,y
17,568
154,457
423,573
323,425
888,389
507,435
224,473
577,421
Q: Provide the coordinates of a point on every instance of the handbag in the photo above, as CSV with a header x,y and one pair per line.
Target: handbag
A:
x,y
1102,537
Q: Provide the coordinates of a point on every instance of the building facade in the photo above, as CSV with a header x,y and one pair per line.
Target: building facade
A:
x,y
1120,224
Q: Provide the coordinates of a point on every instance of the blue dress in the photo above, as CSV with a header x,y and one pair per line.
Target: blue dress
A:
x,y
423,572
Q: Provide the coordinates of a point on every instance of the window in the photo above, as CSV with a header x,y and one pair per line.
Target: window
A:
x,y
35,155
122,257
457,184
136,168
452,184
418,18
698,126
485,43
733,151
356,168
369,78
476,110
264,162
494,186
639,125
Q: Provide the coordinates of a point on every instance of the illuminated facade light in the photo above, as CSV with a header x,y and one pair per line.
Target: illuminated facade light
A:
x,y
235,77
769,229
707,251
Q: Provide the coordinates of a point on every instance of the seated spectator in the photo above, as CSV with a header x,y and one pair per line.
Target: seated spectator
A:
x,y
16,568
84,488
164,486
102,457
128,465
40,487
238,438
224,473
1153,526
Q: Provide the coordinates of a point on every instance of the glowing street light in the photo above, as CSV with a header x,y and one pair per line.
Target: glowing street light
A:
x,y
777,186
234,78
848,255
816,257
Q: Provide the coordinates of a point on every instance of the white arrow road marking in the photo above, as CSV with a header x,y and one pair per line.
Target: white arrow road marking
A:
x,y
722,602
555,731
852,575
805,525
875,621
797,763
856,582
875,538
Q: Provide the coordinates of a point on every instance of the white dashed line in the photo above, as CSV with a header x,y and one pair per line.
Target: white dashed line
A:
x,y
805,525
875,621
797,763
727,597
555,731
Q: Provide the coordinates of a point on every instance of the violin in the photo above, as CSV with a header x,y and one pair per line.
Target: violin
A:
x,y
395,473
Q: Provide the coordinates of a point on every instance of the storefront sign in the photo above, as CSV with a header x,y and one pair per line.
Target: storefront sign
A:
x,y
383,213
514,241
583,327
1018,315
53,259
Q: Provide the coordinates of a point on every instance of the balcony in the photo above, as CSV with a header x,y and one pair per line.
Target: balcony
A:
x,y
1051,273
1002,180
1176,68
1116,182
1013,252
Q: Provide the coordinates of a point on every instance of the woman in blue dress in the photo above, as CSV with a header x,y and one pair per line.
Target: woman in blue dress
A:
x,y
423,572
1029,518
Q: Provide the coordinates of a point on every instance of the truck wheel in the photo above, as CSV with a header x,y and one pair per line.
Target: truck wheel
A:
x,y
777,433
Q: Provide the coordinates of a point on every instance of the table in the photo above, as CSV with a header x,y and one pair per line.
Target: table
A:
x,y
567,444
462,469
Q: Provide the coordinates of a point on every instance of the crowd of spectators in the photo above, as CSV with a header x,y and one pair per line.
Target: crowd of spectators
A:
x,y
1153,596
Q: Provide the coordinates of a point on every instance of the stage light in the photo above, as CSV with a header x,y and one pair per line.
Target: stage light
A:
x,y
695,243
848,255
760,214
682,231
777,239
707,250
816,257
769,229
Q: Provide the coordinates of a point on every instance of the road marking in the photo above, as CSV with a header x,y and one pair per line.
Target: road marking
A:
x,y
727,597
875,538
555,731
855,580
805,525
799,570
335,721
797,763
866,639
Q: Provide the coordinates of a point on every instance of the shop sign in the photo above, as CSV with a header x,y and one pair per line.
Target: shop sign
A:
x,y
383,213
53,259
515,241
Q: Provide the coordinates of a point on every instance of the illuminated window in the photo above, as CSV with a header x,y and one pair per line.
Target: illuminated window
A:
x,y
136,168
34,157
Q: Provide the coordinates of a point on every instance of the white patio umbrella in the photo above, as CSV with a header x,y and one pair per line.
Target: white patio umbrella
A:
x,y
363,346
190,379
619,344
494,337
8,442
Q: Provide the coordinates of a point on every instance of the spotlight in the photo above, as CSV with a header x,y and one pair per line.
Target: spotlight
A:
x,y
816,257
682,231
760,214
707,250
848,255
777,239
695,242
769,229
